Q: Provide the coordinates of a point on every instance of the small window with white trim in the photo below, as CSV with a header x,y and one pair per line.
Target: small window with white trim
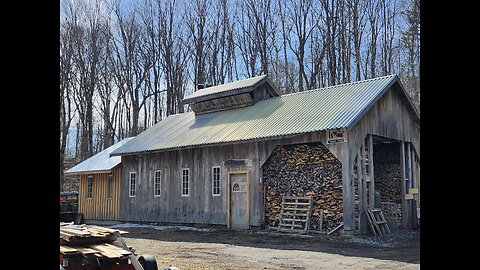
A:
x,y
157,176
89,187
133,184
216,181
110,186
185,181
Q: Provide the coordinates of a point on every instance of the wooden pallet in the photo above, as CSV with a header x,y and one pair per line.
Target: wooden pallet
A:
x,y
295,214
377,222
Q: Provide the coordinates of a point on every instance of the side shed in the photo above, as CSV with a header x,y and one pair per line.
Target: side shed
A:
x,y
99,195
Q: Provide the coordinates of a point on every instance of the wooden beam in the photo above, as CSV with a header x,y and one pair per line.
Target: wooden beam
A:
x,y
402,185
407,188
371,171
414,190
348,191
363,217
361,191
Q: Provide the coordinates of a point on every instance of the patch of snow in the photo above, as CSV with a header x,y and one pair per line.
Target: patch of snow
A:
x,y
159,227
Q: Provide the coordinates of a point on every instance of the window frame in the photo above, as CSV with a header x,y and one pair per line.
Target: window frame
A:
x,y
155,195
219,181
89,187
109,186
134,185
182,186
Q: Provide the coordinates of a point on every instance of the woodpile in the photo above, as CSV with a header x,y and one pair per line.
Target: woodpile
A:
x,y
387,172
81,244
392,212
304,170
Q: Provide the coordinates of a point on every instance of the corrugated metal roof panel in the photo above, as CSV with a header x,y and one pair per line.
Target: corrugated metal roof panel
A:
x,y
315,110
99,162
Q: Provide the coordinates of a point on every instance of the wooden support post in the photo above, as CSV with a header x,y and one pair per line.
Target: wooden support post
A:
x,y
414,202
363,196
402,183
348,191
361,203
409,203
371,192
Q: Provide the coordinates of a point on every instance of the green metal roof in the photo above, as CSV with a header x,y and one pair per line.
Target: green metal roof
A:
x,y
339,106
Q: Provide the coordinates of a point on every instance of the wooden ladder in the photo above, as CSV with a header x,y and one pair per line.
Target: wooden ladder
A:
x,y
295,214
377,222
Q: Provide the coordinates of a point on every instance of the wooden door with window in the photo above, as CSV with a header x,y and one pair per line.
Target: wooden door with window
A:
x,y
238,200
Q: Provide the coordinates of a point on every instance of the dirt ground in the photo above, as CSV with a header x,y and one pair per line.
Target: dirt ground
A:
x,y
224,249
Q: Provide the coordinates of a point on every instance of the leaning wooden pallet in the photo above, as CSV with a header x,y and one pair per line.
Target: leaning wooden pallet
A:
x,y
378,224
295,214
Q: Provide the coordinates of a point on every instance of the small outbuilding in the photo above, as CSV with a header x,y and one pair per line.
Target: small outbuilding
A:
x,y
244,146
99,195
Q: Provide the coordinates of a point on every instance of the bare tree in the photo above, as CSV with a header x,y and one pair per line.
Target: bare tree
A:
x,y
410,41
67,111
373,10
89,39
174,54
132,62
197,13
303,26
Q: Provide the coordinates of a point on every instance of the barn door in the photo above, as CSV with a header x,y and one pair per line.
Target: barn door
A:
x,y
238,209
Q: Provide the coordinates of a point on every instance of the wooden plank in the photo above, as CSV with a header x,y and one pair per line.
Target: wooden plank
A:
x,y
409,196
320,223
371,193
413,191
296,198
386,225
294,219
67,250
403,190
348,190
286,224
335,229
295,203
295,209
294,214
371,222
363,197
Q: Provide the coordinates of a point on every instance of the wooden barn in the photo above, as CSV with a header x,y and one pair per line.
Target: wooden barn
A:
x,y
99,195
230,161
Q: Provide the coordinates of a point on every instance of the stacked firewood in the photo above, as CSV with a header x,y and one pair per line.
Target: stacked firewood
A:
x,y
304,170
387,174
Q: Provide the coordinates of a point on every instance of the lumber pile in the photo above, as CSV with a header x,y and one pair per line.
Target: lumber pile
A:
x,y
82,244
304,170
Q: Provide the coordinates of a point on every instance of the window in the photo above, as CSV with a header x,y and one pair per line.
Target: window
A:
x,y
185,179
216,181
156,183
133,182
110,186
89,187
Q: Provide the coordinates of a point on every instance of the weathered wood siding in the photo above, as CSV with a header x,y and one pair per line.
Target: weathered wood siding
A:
x,y
99,207
390,118
200,206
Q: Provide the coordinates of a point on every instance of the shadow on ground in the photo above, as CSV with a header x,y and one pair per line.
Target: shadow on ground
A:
x,y
403,246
